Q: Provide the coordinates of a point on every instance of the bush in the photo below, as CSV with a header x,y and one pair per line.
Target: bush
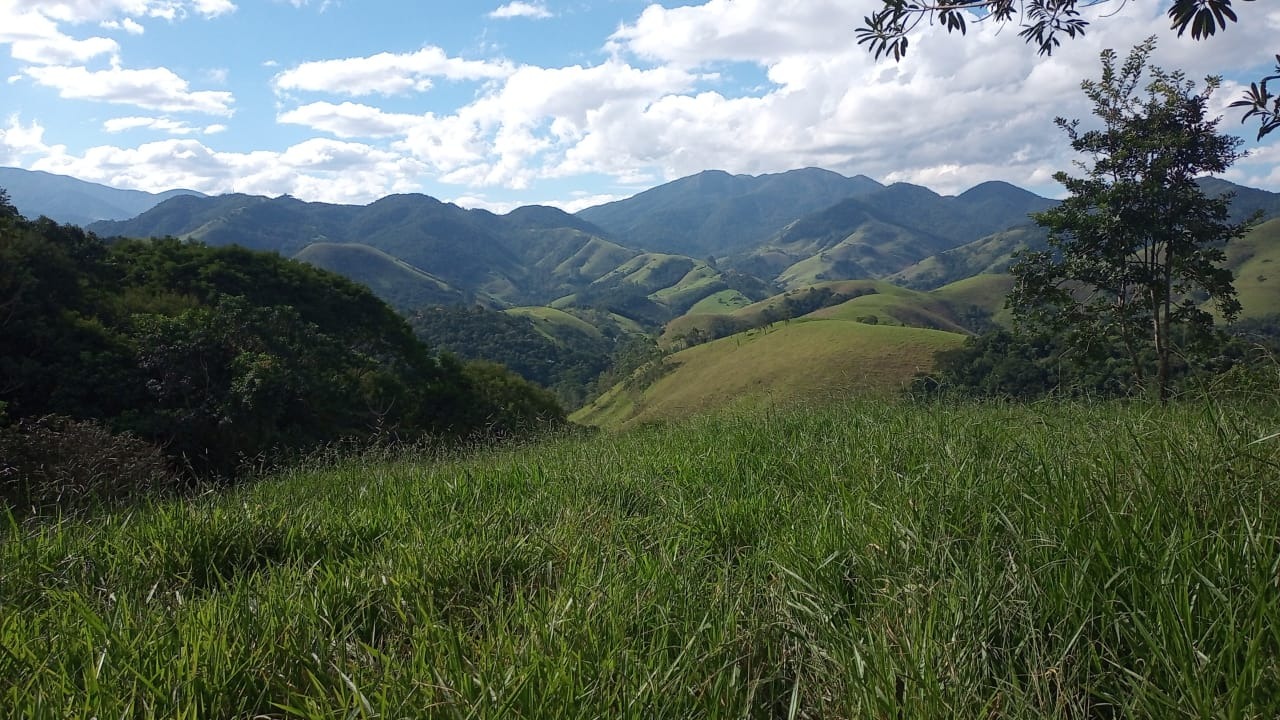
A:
x,y
57,464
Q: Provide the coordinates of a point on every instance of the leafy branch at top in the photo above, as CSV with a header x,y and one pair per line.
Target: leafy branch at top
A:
x,y
1256,99
886,31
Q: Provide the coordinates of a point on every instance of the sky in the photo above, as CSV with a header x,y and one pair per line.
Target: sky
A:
x,y
572,103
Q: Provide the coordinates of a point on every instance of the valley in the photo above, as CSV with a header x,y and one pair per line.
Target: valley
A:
x,y
699,259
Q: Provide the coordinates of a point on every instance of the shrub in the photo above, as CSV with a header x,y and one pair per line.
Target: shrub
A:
x,y
57,464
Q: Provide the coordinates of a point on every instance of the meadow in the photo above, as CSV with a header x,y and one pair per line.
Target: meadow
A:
x,y
866,559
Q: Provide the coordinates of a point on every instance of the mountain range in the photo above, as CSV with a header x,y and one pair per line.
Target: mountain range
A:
x,y
649,258
711,243
715,266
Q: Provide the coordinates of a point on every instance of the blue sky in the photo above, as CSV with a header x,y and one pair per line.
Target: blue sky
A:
x,y
569,102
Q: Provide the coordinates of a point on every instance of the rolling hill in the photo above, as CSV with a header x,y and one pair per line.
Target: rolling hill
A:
x,y
964,307
883,232
808,361
414,250
1255,260
403,286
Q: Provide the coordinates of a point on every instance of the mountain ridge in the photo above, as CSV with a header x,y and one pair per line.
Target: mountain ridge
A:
x,y
72,201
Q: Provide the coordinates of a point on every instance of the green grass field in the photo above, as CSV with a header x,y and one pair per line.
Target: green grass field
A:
x,y
555,324
869,559
1255,260
803,360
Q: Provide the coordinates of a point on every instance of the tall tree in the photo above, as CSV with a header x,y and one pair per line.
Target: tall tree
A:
x,y
1134,251
886,31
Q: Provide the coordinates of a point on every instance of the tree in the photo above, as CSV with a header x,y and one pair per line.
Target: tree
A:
x,y
1135,249
886,30
7,210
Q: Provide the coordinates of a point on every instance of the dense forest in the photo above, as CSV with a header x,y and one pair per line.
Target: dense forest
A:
x,y
218,358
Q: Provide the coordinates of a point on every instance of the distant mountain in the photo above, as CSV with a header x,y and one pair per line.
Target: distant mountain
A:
x,y
414,250
715,213
882,232
994,253
1247,201
73,201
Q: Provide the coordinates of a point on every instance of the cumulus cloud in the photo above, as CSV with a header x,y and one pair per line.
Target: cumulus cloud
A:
x,y
161,124
152,88
957,111
535,10
34,38
80,11
351,120
386,73
18,142
662,103
129,25
322,170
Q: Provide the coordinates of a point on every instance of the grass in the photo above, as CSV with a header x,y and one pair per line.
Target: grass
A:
x,y
806,360
920,312
868,559
556,324
1255,260
721,303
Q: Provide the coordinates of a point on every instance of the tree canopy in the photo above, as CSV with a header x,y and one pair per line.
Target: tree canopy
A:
x,y
224,355
1135,249
887,30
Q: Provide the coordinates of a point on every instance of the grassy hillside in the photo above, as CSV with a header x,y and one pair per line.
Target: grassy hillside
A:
x,y
401,285
988,255
725,301
1255,260
869,560
556,324
959,307
892,309
807,360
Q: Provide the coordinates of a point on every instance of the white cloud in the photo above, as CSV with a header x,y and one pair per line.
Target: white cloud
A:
x,y
386,73
151,88
214,8
32,28
19,142
746,30
956,111
162,124
321,170
34,38
535,10
80,11
129,25
351,120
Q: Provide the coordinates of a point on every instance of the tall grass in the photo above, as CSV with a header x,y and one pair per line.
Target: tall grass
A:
x,y
866,560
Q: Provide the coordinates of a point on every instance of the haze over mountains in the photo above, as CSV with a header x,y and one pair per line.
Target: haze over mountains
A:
x,y
73,201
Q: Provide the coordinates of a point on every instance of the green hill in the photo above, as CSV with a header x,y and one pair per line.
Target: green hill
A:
x,y
881,233
966,306
556,324
401,285
803,361
1255,260
988,255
